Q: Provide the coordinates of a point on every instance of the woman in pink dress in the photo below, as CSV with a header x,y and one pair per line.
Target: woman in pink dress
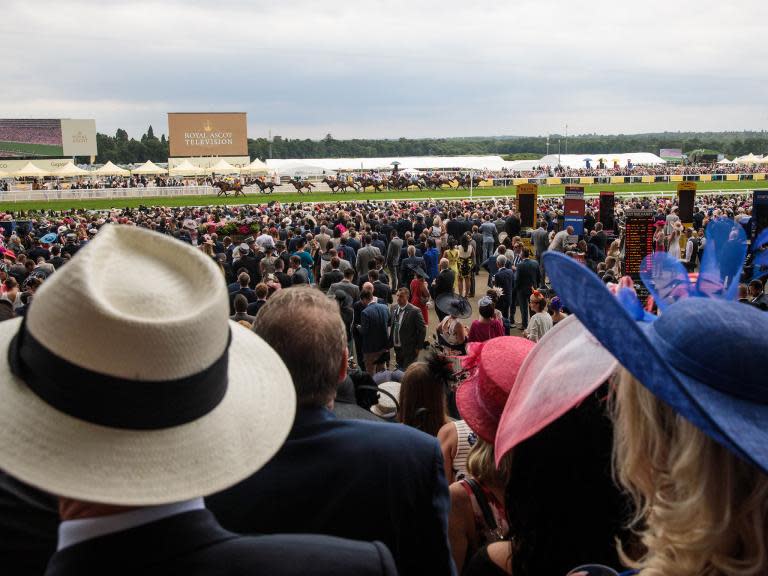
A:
x,y
420,293
488,326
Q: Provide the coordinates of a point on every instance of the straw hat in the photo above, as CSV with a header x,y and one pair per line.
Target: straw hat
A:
x,y
108,395
494,365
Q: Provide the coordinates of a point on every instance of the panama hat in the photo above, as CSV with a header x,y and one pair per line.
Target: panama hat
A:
x,y
387,406
493,366
108,395
702,356
564,367
454,305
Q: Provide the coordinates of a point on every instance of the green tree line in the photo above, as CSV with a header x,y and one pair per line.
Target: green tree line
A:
x,y
121,149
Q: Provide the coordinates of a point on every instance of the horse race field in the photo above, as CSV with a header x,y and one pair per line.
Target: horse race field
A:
x,y
412,194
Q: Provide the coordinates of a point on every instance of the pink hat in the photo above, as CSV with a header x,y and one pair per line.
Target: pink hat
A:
x,y
481,397
565,367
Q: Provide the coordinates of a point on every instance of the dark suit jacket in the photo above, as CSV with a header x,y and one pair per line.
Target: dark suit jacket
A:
x,y
393,251
374,321
444,282
194,543
373,481
406,274
505,279
329,278
382,291
412,327
527,276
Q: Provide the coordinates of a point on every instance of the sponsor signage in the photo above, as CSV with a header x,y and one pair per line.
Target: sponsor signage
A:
x,y
208,134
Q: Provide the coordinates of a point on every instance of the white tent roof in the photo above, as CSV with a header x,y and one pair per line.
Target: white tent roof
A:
x,y
110,169
30,171
223,167
186,168
320,165
255,167
579,160
149,167
748,159
725,161
69,170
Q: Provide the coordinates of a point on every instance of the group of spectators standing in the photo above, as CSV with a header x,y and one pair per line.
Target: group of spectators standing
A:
x,y
498,462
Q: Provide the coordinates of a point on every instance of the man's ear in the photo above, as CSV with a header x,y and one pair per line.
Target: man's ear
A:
x,y
344,365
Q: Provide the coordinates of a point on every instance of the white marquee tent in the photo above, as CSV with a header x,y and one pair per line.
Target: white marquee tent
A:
x,y
580,160
110,169
255,167
748,159
223,167
317,166
69,170
29,170
186,168
149,167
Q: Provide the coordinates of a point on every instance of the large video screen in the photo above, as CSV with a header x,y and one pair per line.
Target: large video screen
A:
x,y
30,138
208,134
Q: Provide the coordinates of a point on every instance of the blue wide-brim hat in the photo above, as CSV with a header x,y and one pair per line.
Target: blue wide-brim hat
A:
x,y
704,357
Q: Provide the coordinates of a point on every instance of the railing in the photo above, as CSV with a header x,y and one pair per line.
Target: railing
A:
x,y
637,179
105,193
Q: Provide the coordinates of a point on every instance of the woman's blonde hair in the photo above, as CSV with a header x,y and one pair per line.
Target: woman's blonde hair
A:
x,y
700,510
481,464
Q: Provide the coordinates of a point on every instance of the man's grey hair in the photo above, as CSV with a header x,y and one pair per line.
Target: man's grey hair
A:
x,y
501,261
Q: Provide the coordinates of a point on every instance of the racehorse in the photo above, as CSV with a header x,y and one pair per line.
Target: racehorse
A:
x,y
226,187
333,184
437,181
301,184
464,181
266,187
344,184
366,182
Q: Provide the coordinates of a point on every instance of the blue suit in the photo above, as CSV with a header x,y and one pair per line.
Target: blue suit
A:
x,y
353,478
431,258
374,322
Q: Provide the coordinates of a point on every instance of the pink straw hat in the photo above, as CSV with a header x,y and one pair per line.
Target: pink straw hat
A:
x,y
494,364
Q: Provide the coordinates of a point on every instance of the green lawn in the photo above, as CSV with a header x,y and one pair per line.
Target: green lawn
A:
x,y
637,189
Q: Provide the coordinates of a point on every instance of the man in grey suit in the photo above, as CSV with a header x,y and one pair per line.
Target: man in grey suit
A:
x,y
407,330
540,241
365,255
346,285
393,258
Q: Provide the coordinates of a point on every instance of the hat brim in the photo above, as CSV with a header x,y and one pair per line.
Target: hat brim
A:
x,y
736,424
69,457
564,367
481,423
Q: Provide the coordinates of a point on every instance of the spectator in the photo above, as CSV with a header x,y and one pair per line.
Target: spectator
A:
x,y
488,326
374,321
324,467
541,322
262,291
407,330
423,401
241,309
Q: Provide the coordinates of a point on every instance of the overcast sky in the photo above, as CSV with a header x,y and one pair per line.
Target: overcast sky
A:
x,y
389,69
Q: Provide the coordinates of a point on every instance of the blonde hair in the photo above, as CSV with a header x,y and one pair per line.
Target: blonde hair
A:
x,y
700,510
481,465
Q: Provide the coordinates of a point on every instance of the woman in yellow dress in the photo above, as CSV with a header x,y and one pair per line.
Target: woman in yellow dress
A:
x,y
452,254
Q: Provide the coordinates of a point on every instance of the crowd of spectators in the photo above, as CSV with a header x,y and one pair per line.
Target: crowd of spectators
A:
x,y
394,440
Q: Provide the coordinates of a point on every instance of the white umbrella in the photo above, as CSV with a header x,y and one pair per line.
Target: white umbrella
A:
x,y
30,171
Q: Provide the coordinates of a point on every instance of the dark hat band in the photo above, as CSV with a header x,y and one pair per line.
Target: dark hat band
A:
x,y
113,401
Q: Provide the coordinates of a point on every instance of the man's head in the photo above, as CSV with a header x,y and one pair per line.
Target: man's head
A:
x,y
349,273
304,327
261,291
241,304
373,276
443,264
755,288
295,262
335,262
243,279
570,230
366,296
411,250
598,226
501,261
402,296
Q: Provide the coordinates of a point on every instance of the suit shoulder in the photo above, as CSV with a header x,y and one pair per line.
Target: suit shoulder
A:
x,y
299,554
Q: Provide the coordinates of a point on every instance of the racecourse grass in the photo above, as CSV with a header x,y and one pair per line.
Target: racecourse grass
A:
x,y
256,198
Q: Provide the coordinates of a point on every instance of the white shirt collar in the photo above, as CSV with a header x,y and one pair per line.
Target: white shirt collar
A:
x,y
73,532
